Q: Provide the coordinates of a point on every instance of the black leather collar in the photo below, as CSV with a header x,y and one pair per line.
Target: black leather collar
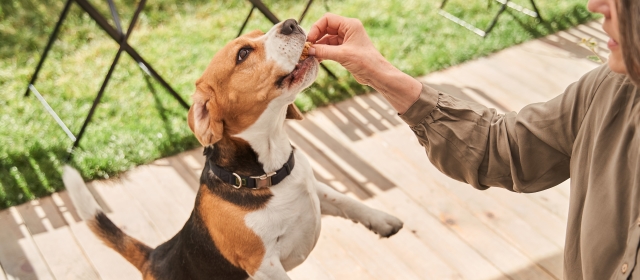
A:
x,y
254,182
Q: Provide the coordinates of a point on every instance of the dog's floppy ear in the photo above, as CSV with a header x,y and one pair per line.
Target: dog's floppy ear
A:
x,y
293,113
207,129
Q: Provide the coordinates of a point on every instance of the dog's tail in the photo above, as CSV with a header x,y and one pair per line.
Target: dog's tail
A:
x,y
131,249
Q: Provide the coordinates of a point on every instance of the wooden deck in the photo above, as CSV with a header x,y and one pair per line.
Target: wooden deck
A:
x,y
361,148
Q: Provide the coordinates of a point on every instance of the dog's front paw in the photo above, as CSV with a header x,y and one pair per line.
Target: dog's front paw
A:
x,y
382,223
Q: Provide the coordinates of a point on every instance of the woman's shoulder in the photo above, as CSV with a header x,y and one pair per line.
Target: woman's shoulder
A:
x,y
598,77
601,84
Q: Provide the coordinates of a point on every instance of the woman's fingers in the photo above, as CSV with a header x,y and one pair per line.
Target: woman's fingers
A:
x,y
330,24
331,40
345,41
329,52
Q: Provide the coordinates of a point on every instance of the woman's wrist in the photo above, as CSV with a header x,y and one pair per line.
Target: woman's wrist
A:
x,y
398,88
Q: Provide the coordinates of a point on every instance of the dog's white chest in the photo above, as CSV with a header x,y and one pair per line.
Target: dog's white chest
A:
x,y
290,223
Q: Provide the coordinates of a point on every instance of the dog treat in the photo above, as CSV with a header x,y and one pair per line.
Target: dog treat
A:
x,y
305,51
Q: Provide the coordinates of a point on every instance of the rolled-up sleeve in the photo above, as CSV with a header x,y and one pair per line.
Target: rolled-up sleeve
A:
x,y
527,151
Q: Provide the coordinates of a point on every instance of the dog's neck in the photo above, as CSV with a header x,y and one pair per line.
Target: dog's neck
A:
x,y
262,148
268,137
234,155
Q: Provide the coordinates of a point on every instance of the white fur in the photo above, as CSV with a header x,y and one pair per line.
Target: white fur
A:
x,y
285,50
289,225
267,135
82,199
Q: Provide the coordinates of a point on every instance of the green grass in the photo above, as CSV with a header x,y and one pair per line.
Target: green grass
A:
x,y
138,121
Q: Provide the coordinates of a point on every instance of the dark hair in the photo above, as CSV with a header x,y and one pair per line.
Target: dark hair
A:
x,y
629,21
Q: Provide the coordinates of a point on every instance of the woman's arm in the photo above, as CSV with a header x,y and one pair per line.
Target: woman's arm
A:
x,y
344,40
525,152
528,151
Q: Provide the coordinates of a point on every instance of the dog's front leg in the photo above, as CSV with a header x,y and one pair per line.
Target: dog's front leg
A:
x,y
336,204
271,268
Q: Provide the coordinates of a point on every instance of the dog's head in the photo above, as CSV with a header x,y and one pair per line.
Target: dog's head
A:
x,y
247,75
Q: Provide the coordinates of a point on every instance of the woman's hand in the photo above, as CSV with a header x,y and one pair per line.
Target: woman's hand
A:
x,y
345,41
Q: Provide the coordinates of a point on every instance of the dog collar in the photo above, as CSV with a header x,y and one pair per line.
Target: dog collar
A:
x,y
254,182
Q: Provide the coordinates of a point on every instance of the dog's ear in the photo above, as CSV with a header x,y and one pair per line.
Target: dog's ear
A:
x,y
207,129
293,113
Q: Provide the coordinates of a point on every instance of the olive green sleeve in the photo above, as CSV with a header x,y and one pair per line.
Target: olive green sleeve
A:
x,y
527,151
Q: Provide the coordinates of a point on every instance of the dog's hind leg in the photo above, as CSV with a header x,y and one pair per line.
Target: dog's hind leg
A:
x,y
336,204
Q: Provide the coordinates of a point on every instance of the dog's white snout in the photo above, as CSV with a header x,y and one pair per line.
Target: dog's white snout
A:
x,y
284,44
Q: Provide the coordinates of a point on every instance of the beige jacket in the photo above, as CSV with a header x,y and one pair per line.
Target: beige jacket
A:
x,y
590,133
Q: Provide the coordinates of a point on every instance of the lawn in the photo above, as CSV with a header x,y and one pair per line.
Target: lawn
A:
x,y
138,121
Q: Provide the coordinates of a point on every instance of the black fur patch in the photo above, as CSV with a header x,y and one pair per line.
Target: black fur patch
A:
x,y
234,156
191,254
109,232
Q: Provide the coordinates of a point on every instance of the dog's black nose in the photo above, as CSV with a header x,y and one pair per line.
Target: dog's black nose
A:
x,y
289,26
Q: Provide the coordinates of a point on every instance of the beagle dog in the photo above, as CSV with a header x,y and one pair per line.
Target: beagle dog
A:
x,y
257,212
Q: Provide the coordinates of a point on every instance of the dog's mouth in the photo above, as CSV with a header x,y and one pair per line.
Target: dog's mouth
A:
x,y
298,74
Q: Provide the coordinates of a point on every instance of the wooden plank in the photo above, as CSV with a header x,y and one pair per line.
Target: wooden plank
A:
x,y
336,260
2,275
458,216
424,261
591,32
468,86
575,36
328,252
493,82
127,213
364,245
578,54
543,89
501,74
542,220
63,255
195,160
538,70
405,245
187,174
424,226
538,217
173,184
360,244
500,219
552,51
163,210
554,201
369,120
376,105
460,220
19,255
310,269
472,266
108,263
564,188
543,248
596,26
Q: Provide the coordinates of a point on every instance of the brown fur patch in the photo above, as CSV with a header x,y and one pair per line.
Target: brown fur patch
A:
x,y
233,95
225,222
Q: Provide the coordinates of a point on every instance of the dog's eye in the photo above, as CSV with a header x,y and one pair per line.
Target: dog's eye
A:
x,y
242,54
